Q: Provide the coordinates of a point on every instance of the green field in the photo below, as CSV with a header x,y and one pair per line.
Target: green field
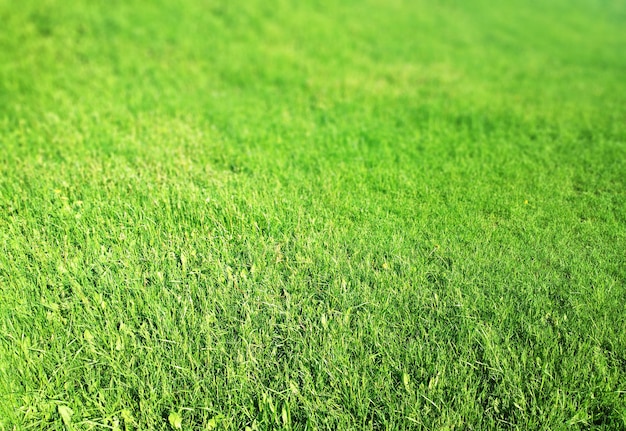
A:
x,y
312,215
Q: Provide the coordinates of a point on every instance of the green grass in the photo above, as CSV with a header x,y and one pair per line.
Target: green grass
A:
x,y
377,214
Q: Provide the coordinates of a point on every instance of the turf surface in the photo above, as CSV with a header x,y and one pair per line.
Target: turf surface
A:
x,y
377,214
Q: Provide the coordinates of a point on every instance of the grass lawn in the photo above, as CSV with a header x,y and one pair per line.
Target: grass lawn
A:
x,y
321,215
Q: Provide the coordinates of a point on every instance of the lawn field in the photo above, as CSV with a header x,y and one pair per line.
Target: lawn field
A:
x,y
312,215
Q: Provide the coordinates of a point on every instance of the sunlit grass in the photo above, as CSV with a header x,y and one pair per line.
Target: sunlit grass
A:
x,y
313,215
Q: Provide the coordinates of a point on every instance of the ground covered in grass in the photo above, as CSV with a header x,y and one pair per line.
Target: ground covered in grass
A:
x,y
377,214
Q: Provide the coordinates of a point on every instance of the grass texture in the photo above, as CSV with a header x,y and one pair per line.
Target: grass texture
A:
x,y
312,215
